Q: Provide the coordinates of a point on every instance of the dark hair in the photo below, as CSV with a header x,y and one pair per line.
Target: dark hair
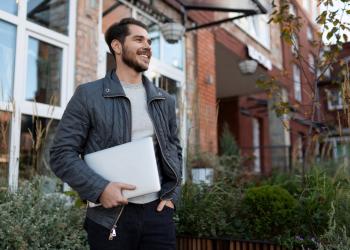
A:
x,y
120,30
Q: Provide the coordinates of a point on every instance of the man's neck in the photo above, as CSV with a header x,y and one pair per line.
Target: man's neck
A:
x,y
127,74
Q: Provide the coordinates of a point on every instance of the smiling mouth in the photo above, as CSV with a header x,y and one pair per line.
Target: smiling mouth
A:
x,y
145,54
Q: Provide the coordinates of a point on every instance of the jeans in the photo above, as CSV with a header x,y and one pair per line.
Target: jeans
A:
x,y
140,227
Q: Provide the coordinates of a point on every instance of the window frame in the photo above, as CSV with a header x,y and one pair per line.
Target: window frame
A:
x,y
330,95
24,29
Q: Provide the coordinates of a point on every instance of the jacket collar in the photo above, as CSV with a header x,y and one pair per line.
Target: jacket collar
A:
x,y
113,88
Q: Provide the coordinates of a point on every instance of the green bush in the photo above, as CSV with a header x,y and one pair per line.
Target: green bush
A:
x,y
269,212
209,211
32,219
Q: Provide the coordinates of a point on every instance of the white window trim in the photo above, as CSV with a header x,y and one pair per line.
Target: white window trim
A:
x,y
24,28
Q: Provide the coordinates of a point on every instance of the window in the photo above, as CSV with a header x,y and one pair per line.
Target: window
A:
x,y
50,14
169,85
326,70
37,40
311,61
5,119
334,99
295,44
9,6
299,148
44,72
256,26
256,145
342,150
174,54
309,34
292,10
297,83
36,139
7,56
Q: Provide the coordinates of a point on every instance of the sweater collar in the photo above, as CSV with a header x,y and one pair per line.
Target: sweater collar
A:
x,y
113,88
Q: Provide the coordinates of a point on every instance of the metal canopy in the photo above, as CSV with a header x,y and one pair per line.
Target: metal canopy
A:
x,y
241,8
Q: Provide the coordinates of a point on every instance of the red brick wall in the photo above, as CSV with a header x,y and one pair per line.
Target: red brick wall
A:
x,y
206,92
86,41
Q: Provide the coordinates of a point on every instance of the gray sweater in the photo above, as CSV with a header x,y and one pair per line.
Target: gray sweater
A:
x,y
141,126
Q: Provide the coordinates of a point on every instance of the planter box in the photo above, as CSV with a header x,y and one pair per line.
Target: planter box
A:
x,y
191,243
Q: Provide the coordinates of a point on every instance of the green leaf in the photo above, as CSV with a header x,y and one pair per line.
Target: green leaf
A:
x,y
345,37
330,35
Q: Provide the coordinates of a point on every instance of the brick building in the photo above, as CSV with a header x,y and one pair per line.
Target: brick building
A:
x,y
334,92
50,47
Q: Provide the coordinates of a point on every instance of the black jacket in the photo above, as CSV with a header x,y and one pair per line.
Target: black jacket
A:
x,y
98,116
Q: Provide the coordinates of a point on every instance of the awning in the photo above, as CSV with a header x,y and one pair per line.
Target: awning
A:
x,y
248,6
240,9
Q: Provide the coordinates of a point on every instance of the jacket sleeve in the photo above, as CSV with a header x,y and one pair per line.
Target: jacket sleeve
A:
x,y
175,195
68,145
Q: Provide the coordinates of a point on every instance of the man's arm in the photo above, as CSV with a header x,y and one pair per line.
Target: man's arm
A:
x,y
68,144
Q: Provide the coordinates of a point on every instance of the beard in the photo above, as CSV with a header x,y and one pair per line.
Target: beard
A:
x,y
129,59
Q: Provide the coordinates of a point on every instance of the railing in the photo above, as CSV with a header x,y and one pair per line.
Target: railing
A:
x,y
191,243
267,158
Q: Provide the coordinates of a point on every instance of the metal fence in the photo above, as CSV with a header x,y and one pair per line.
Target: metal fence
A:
x,y
191,243
265,158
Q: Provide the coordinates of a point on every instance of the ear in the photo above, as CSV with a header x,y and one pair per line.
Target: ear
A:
x,y
116,46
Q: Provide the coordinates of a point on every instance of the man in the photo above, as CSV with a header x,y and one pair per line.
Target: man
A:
x,y
119,108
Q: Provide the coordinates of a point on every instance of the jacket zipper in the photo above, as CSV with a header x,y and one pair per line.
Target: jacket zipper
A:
x,y
113,232
161,151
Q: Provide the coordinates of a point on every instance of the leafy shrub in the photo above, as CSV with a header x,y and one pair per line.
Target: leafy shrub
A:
x,y
268,211
31,219
208,210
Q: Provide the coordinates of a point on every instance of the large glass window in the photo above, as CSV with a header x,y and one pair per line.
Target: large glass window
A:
x,y
170,86
297,82
334,99
5,118
44,72
52,14
9,6
256,26
7,59
36,139
174,55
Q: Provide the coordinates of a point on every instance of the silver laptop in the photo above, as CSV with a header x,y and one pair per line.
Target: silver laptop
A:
x,y
131,163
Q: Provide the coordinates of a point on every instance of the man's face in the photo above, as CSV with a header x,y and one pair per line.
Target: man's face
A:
x,y
136,50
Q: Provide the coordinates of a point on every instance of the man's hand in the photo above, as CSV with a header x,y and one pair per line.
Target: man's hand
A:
x,y
163,203
112,195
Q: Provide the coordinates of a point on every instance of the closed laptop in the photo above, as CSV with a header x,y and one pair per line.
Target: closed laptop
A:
x,y
131,163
